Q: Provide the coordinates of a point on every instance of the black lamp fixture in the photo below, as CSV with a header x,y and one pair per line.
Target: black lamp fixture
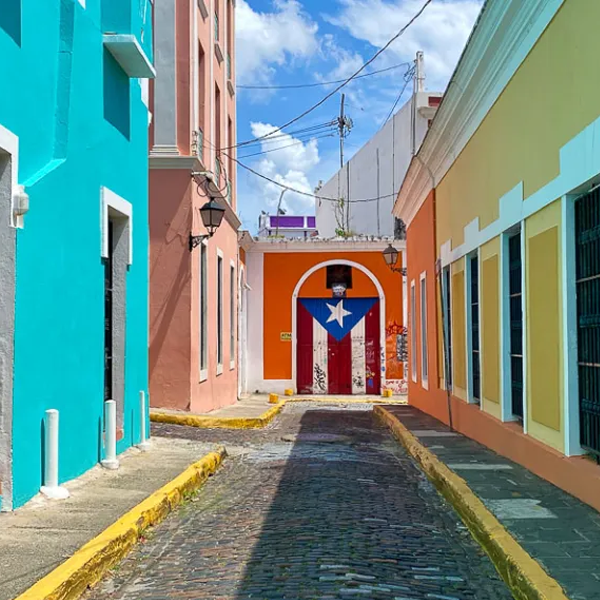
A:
x,y
212,214
390,255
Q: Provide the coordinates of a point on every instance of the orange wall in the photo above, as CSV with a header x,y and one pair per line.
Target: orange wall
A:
x,y
420,244
282,271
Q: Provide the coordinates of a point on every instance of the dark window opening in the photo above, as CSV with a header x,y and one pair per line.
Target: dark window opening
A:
x,y
339,274
587,274
475,359
515,290
108,315
448,332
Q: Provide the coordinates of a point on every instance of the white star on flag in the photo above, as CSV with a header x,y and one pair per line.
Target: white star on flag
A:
x,y
338,313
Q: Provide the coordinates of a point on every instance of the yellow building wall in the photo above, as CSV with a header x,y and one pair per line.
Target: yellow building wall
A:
x,y
543,318
489,255
552,97
459,348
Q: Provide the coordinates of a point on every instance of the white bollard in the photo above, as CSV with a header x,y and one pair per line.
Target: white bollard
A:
x,y
144,443
51,489
110,436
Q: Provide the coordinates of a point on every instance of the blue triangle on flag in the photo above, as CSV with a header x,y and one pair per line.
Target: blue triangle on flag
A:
x,y
338,315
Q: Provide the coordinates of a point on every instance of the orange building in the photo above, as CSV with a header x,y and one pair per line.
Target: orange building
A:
x,y
323,317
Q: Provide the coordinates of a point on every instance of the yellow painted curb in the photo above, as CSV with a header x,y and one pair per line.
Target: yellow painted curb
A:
x,y
88,565
325,400
215,422
524,576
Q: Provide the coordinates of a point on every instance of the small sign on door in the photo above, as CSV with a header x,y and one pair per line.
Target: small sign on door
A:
x,y
285,336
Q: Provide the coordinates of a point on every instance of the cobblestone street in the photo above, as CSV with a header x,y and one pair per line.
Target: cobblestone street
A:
x,y
323,504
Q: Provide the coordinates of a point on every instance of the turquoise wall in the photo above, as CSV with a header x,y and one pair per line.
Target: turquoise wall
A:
x,y
59,86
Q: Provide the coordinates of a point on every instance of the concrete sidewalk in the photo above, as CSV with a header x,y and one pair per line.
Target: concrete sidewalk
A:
x,y
38,537
556,529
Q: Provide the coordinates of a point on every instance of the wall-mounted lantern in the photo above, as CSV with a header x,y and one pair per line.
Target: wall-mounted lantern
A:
x,y
212,214
390,255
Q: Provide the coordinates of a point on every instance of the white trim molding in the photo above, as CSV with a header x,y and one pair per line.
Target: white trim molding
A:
x,y
319,244
423,330
413,330
504,34
570,330
220,281
111,202
9,143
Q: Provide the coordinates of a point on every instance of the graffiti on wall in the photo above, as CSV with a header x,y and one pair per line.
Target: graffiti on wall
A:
x,y
396,350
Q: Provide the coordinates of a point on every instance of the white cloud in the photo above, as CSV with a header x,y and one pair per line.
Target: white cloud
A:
x,y
290,165
266,40
441,31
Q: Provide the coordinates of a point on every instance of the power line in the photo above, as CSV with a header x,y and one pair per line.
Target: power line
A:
x,y
315,129
319,137
348,80
310,85
407,77
300,192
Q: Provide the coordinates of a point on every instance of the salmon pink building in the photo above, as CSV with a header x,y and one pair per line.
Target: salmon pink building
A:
x,y
325,317
193,290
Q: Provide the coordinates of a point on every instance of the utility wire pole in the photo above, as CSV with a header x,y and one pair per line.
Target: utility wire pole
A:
x,y
341,126
344,126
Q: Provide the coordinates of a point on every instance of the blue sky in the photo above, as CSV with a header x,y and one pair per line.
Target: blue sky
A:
x,y
290,42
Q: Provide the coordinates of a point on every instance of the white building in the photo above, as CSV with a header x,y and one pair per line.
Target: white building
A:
x,y
376,171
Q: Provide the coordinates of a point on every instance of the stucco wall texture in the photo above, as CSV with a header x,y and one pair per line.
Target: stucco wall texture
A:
x,y
499,156
282,271
70,145
175,300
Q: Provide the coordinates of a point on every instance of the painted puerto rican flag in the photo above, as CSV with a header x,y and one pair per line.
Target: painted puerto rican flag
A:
x,y
338,346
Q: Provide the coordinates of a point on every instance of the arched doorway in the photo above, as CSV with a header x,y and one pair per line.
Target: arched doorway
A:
x,y
338,314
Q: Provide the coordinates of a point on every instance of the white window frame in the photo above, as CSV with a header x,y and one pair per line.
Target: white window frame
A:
x,y
232,310
203,318
423,330
220,262
110,200
413,331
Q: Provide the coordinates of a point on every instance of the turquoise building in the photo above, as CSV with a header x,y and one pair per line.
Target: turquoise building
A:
x,y
73,230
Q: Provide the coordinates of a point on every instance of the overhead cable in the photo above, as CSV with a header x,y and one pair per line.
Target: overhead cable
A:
x,y
321,83
341,85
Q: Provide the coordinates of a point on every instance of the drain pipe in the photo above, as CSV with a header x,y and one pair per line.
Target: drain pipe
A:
x,y
110,423
51,489
144,444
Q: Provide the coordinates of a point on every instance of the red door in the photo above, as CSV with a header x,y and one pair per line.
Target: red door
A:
x,y
339,365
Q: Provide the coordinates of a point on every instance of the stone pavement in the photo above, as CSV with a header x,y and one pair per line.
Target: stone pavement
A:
x,y
322,504
559,531
38,537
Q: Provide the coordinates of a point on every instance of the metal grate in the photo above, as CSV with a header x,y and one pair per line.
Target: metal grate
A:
x,y
446,308
515,290
476,371
108,315
587,251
